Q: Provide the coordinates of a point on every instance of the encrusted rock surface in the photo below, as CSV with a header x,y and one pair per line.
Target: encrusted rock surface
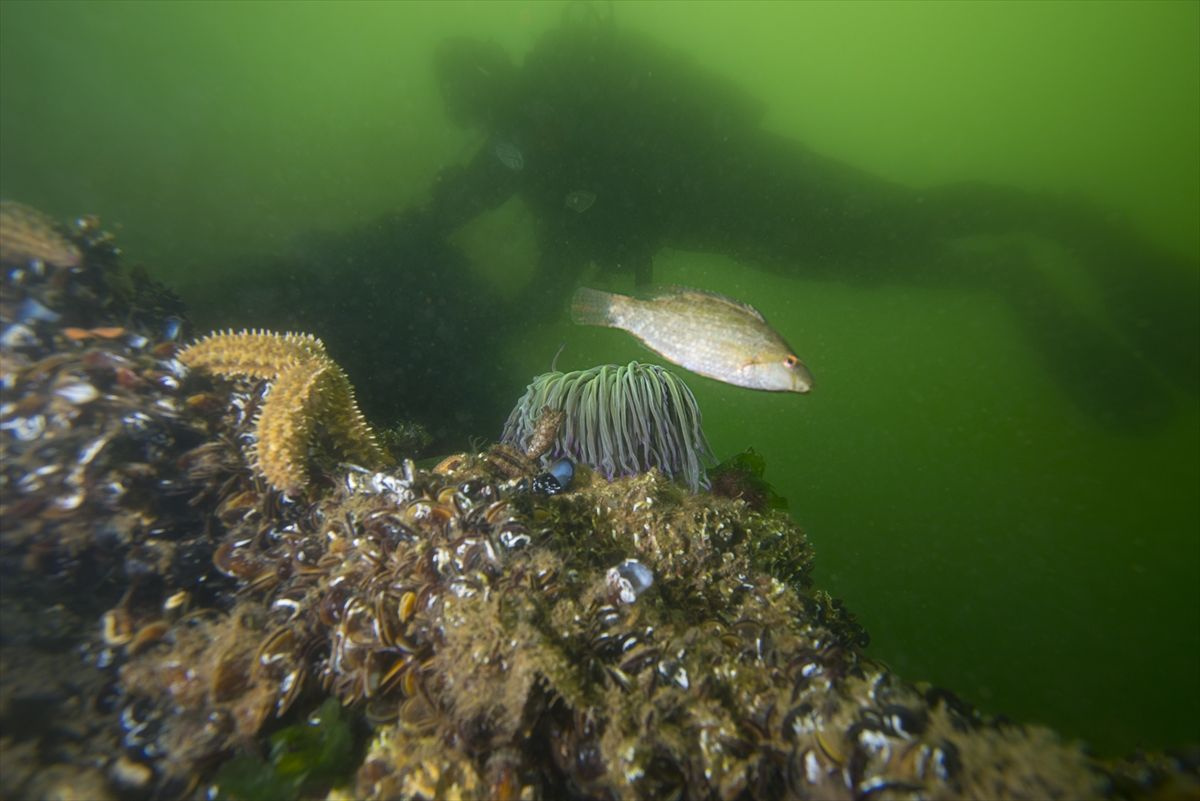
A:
x,y
166,608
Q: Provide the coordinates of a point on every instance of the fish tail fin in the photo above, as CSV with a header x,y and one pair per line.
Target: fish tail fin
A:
x,y
592,307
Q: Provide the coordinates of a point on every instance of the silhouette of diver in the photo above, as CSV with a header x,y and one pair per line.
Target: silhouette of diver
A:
x,y
620,147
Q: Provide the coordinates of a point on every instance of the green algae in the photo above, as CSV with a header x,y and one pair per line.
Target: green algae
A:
x,y
316,754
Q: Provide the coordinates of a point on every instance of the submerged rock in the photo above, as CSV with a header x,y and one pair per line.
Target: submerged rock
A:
x,y
468,623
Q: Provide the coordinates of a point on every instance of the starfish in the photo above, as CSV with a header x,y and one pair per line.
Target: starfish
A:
x,y
308,392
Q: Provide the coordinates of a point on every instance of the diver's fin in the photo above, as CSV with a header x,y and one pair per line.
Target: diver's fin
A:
x,y
1098,371
1154,299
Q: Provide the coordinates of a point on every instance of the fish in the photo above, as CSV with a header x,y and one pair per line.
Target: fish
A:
x,y
509,155
707,333
579,200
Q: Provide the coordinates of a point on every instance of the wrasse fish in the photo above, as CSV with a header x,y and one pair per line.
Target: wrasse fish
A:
x,y
704,332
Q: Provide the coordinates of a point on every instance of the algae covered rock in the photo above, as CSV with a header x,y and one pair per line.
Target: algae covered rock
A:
x,y
466,631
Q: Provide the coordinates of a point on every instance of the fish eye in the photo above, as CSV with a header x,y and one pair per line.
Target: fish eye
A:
x,y
790,361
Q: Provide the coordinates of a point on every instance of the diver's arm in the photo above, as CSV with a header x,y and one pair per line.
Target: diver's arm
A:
x,y
558,269
462,193
641,262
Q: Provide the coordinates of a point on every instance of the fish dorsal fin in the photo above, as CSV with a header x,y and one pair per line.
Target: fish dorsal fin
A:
x,y
672,292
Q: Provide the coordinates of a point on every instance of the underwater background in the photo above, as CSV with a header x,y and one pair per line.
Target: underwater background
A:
x,y
989,537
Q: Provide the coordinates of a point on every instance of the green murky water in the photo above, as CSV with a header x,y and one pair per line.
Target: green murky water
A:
x,y
991,537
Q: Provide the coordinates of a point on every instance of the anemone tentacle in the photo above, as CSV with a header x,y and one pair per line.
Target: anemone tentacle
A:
x,y
620,421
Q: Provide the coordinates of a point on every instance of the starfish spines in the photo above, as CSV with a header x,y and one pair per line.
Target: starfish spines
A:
x,y
308,390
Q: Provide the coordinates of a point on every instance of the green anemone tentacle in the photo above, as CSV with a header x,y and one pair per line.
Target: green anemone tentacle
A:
x,y
619,421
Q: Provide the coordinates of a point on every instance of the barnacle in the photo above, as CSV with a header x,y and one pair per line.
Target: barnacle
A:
x,y
308,392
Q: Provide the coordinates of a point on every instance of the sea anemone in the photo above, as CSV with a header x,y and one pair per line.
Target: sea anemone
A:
x,y
620,421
